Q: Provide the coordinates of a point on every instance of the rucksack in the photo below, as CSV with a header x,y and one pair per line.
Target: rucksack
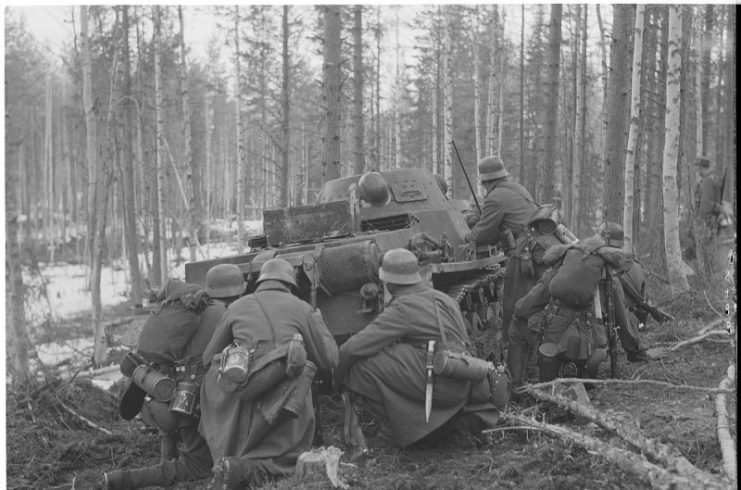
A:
x,y
173,323
580,271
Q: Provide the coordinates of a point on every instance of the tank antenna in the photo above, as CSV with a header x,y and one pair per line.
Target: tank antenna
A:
x,y
470,186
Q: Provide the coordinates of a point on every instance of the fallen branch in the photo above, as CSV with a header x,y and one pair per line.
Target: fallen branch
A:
x,y
611,381
665,454
628,461
84,419
121,321
657,352
727,444
712,326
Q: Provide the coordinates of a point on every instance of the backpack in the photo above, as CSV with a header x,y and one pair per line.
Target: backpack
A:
x,y
173,323
580,271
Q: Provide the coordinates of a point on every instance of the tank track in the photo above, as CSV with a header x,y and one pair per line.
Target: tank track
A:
x,y
480,300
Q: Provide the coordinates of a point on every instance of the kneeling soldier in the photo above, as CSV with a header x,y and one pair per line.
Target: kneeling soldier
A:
x,y
169,352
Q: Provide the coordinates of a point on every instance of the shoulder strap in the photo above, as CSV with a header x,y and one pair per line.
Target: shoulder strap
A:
x,y
270,324
437,318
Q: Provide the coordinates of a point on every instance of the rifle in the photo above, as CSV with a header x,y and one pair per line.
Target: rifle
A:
x,y
658,314
470,186
609,321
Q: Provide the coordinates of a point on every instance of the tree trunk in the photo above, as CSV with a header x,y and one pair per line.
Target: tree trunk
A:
x,y
635,115
358,119
397,97
19,344
190,163
546,164
729,192
377,132
48,180
522,172
285,171
448,102
159,150
617,113
707,48
131,231
502,65
436,86
332,90
477,125
95,189
240,166
580,147
494,52
673,252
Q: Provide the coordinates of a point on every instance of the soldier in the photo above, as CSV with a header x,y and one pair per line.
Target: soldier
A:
x,y
625,304
507,208
257,411
224,283
383,366
714,216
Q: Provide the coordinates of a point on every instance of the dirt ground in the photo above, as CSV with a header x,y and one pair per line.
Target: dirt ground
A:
x,y
48,447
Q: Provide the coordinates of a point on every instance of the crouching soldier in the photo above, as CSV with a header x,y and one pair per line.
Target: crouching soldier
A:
x,y
168,364
390,366
561,314
257,412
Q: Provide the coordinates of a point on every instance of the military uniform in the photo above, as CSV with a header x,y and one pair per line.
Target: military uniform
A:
x,y
253,433
507,206
385,363
181,364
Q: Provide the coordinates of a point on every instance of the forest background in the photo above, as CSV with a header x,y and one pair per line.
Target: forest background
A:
x,y
122,145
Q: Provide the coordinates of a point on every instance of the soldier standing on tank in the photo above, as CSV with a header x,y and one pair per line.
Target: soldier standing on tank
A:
x,y
245,419
507,209
224,284
383,365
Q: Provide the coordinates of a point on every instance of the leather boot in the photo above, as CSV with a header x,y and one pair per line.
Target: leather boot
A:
x,y
231,473
516,359
143,477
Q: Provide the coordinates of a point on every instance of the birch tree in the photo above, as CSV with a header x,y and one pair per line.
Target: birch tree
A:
x,y
677,278
240,167
580,130
285,171
447,68
161,246
635,114
477,124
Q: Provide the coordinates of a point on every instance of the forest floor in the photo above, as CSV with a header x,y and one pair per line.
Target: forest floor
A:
x,y
50,446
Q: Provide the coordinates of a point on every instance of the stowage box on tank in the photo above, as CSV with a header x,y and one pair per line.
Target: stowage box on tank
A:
x,y
336,247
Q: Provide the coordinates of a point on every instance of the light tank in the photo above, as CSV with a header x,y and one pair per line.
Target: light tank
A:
x,y
336,246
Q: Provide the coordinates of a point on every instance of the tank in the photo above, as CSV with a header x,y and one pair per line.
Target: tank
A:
x,y
336,246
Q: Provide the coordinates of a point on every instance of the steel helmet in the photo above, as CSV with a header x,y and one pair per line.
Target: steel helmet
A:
x,y
492,168
279,270
612,233
224,281
373,189
399,266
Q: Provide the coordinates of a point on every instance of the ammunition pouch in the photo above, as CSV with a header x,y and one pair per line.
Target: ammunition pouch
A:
x,y
459,366
500,384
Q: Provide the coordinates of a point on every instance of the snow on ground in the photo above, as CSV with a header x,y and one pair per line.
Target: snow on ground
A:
x,y
68,294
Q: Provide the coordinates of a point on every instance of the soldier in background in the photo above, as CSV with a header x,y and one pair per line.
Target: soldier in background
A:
x,y
257,412
507,209
224,284
714,217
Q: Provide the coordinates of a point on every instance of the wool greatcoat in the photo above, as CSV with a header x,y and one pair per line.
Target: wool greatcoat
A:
x,y
507,206
385,362
233,427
